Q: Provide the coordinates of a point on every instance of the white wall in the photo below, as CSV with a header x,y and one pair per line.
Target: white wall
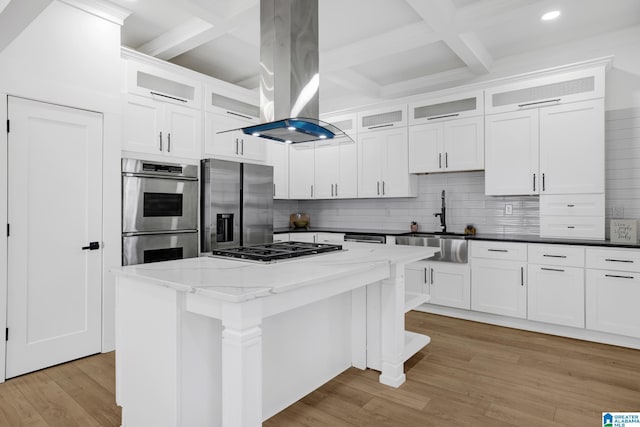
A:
x,y
69,57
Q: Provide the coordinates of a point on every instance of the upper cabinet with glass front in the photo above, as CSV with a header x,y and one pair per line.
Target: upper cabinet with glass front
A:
x,y
446,134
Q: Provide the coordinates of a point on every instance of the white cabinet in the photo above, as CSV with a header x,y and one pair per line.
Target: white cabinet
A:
x,y
448,284
572,148
447,133
613,290
539,131
301,171
382,118
336,170
281,237
383,165
454,145
499,278
556,294
237,146
157,127
278,157
511,153
612,302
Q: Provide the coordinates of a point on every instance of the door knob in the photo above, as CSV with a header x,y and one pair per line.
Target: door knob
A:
x,y
92,246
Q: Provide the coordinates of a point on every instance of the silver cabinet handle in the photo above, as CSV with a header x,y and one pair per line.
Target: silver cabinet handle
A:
x,y
378,182
439,160
425,275
274,189
618,277
543,186
311,190
431,275
331,190
336,189
534,182
168,143
236,141
539,102
554,256
521,276
160,141
446,160
571,226
383,192
442,117
551,269
380,126
571,206
242,147
618,260
497,250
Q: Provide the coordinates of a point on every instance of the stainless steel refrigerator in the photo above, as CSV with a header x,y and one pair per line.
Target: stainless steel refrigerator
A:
x,y
236,204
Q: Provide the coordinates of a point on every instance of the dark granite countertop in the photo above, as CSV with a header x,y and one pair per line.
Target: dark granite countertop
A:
x,y
517,238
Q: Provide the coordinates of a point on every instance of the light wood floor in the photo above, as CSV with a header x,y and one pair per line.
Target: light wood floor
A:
x,y
471,374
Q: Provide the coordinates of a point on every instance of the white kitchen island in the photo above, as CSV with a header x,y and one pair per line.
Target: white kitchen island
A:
x,y
210,341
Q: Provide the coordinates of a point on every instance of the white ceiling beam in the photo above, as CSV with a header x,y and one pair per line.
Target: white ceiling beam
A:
x,y
16,16
426,83
178,40
440,16
353,81
196,32
376,47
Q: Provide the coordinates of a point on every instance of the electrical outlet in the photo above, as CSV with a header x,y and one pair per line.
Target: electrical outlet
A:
x,y
618,212
508,209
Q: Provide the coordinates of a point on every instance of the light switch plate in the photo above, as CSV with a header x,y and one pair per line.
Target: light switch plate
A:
x,y
508,209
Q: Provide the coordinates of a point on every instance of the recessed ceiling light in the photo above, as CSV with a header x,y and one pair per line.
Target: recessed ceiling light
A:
x,y
291,128
323,136
287,141
550,15
256,134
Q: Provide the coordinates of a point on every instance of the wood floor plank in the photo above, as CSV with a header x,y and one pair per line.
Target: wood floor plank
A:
x,y
15,410
471,374
89,394
53,404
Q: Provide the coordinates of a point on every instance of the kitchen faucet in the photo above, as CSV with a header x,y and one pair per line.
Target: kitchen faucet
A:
x,y
442,215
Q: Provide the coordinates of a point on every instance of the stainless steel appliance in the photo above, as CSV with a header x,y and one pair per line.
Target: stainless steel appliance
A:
x,y
273,252
159,211
365,238
237,204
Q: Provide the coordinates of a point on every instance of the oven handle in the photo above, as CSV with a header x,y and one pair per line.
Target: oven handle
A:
x,y
146,175
146,233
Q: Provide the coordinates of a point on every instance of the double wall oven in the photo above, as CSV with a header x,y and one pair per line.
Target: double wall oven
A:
x,y
159,211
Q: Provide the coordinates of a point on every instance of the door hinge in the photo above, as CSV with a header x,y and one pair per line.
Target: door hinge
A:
x,y
8,126
6,334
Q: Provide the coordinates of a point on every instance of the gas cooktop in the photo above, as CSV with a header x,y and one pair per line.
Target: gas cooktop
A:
x,y
279,251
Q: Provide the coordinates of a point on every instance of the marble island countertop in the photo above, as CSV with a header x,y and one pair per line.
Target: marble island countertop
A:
x,y
236,281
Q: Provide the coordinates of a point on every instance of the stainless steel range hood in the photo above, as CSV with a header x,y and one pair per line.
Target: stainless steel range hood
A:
x,y
289,79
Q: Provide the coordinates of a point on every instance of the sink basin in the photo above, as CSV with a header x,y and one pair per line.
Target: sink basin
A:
x,y
453,247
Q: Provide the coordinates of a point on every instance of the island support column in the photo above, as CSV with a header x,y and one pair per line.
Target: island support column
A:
x,y
392,328
242,364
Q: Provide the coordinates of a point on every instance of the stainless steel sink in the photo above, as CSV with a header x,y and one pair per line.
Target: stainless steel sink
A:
x,y
453,247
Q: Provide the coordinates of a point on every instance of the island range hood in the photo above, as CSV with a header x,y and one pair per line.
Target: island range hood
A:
x,y
289,79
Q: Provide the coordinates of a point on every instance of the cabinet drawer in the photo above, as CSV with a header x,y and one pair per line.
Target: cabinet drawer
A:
x,y
575,227
572,204
569,256
499,250
613,259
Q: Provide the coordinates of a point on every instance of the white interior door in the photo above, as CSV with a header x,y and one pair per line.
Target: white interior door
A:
x,y
54,210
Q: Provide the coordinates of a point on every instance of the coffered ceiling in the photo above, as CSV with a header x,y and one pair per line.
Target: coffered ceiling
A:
x,y
371,49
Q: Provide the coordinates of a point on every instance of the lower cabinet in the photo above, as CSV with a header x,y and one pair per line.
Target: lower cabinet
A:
x,y
556,295
499,287
448,284
612,302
